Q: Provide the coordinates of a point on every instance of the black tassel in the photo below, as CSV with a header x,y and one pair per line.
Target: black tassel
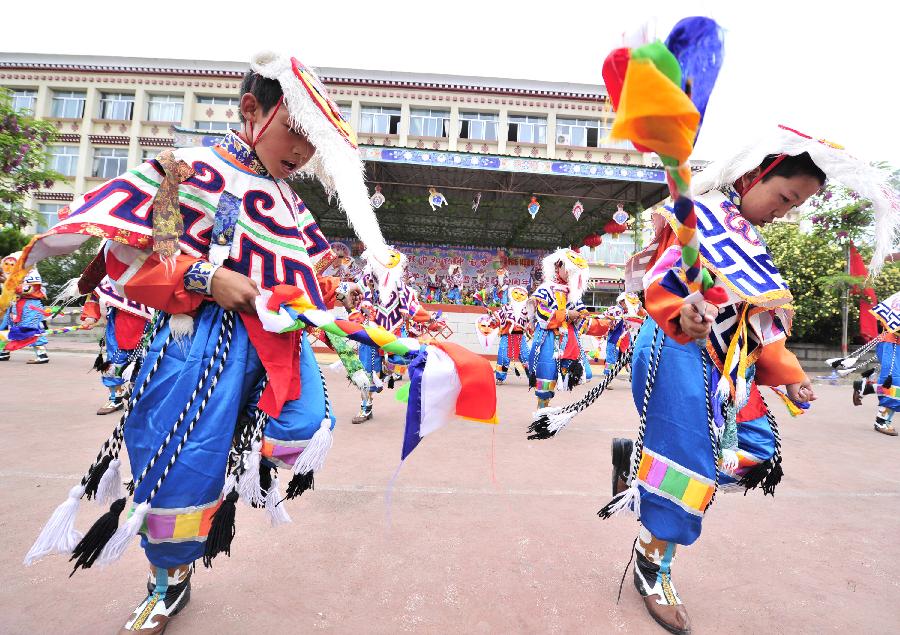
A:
x,y
88,548
299,484
573,377
606,511
540,428
221,531
130,487
265,481
868,372
887,383
772,479
100,364
756,475
516,371
532,380
391,382
90,488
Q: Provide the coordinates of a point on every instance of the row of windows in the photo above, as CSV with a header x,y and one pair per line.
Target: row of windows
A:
x,y
423,122
69,104
483,126
107,162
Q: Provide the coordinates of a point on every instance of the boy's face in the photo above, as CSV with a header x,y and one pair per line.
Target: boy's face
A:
x,y
776,196
281,150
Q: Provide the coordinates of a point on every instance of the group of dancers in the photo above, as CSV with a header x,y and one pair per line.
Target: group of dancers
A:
x,y
199,241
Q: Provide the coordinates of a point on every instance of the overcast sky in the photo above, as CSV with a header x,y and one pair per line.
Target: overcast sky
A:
x,y
824,68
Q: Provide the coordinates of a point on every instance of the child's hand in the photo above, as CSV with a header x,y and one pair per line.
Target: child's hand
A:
x,y
573,315
695,324
801,392
234,291
88,322
351,296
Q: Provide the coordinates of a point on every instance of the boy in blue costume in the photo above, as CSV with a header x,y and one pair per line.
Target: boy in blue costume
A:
x,y
217,408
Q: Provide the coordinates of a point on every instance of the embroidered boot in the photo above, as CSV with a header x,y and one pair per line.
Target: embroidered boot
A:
x,y
621,461
116,401
168,591
653,580
40,356
883,422
365,413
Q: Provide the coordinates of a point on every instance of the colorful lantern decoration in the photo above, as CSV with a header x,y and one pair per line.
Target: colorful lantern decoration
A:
x,y
593,240
436,199
577,210
534,207
476,201
377,199
620,216
614,228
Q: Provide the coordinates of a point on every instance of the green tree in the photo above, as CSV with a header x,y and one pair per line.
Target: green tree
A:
x,y
804,260
23,160
11,240
58,270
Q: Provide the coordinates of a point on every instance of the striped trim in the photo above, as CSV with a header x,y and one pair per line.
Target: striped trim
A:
x,y
892,392
180,524
298,246
666,478
283,453
181,195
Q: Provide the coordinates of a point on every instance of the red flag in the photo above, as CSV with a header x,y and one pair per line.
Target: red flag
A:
x,y
868,325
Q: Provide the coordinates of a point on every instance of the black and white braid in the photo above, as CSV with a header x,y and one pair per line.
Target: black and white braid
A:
x,y
711,425
549,421
655,355
113,445
224,340
629,497
225,333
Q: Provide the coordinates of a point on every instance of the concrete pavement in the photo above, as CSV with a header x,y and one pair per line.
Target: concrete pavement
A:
x,y
485,532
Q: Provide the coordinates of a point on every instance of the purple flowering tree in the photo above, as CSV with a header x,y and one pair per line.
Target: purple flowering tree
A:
x,y
23,161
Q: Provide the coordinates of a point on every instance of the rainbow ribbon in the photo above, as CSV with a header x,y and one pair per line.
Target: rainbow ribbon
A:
x,y
795,408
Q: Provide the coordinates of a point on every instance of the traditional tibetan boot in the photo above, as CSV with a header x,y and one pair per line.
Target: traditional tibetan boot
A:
x,y
653,580
883,422
40,356
168,591
365,413
621,461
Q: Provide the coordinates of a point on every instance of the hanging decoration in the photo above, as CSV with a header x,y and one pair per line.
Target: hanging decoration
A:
x,y
476,201
614,228
534,207
436,199
593,240
377,199
620,216
577,210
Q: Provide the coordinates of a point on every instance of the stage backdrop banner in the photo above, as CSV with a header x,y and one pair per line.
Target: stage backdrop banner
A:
x,y
519,262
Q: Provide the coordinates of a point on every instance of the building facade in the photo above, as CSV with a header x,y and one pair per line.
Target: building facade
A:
x,y
112,113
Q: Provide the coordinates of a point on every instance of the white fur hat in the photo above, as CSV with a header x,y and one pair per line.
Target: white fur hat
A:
x,y
868,181
336,162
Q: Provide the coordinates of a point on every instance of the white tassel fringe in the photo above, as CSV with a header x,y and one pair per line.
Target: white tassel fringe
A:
x,y
110,487
58,534
275,507
312,459
249,487
123,536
